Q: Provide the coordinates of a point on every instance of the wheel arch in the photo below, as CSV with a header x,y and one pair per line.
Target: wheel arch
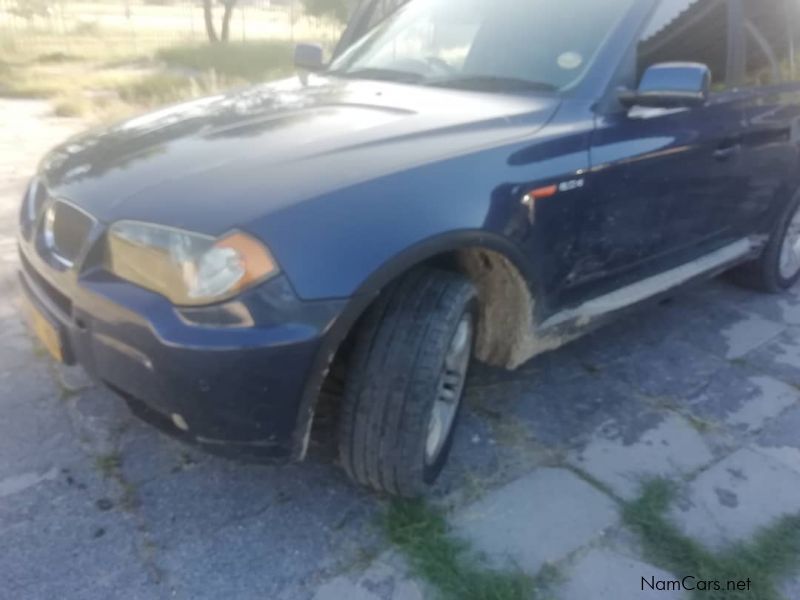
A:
x,y
494,264
506,288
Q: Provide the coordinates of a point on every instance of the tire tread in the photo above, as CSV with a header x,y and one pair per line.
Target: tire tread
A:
x,y
398,354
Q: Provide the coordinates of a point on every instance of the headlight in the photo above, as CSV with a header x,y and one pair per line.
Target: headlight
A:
x,y
188,268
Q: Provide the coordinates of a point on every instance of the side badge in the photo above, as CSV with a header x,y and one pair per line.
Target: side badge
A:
x,y
572,184
529,199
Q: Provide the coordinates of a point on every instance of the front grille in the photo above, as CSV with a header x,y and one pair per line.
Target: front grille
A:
x,y
60,300
66,230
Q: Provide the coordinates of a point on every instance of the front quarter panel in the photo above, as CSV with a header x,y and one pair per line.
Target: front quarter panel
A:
x,y
332,245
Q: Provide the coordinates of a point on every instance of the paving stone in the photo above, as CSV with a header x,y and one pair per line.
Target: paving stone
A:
x,y
780,357
385,579
748,334
669,447
568,414
784,308
478,456
604,573
342,587
789,309
720,328
772,399
781,440
736,497
58,544
537,519
791,588
700,320
670,369
722,292
740,400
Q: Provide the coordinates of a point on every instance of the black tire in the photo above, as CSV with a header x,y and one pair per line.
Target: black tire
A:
x,y
393,381
764,273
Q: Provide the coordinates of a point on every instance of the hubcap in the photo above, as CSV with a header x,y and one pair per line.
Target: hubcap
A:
x,y
790,250
449,390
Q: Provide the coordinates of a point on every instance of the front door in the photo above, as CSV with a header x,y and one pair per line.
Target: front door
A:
x,y
662,178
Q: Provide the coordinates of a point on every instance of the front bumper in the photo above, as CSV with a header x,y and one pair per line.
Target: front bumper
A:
x,y
239,379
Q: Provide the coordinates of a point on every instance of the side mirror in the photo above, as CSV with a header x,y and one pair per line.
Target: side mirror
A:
x,y
308,57
670,85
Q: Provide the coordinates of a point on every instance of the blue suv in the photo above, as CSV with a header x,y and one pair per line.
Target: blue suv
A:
x,y
464,179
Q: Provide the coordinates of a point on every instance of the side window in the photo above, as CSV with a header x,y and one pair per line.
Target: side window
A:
x,y
769,42
688,31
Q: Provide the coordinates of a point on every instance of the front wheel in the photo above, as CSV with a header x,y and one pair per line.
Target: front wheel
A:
x,y
778,267
405,382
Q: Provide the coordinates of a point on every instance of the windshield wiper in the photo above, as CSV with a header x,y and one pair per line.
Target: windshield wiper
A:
x,y
491,83
380,75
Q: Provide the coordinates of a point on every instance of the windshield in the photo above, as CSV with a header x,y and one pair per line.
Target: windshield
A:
x,y
488,44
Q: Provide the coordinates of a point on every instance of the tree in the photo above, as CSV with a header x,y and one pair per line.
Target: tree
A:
x,y
336,9
208,16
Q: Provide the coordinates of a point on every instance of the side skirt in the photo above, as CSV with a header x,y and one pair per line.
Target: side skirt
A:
x,y
651,287
570,324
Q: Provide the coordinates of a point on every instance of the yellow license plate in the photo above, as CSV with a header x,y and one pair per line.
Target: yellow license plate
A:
x,y
44,330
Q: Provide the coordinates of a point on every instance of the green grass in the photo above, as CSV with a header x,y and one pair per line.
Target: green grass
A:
x,y
74,105
108,464
129,500
104,78
252,61
57,58
774,553
161,88
445,562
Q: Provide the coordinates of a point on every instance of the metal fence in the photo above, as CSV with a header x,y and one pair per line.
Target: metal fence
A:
x,y
160,22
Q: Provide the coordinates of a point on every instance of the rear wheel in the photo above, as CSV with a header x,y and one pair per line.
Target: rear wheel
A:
x,y
405,382
778,267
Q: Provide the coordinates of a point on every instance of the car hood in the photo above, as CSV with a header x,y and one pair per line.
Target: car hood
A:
x,y
216,163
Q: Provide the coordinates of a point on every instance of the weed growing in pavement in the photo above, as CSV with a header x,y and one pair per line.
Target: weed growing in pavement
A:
x,y
447,563
770,555
108,464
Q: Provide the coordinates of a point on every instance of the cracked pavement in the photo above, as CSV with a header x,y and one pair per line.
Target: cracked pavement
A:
x,y
704,389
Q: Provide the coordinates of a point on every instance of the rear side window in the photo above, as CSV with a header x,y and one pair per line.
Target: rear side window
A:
x,y
688,31
770,39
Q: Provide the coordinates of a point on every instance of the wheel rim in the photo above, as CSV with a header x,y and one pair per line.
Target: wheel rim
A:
x,y
449,390
790,250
